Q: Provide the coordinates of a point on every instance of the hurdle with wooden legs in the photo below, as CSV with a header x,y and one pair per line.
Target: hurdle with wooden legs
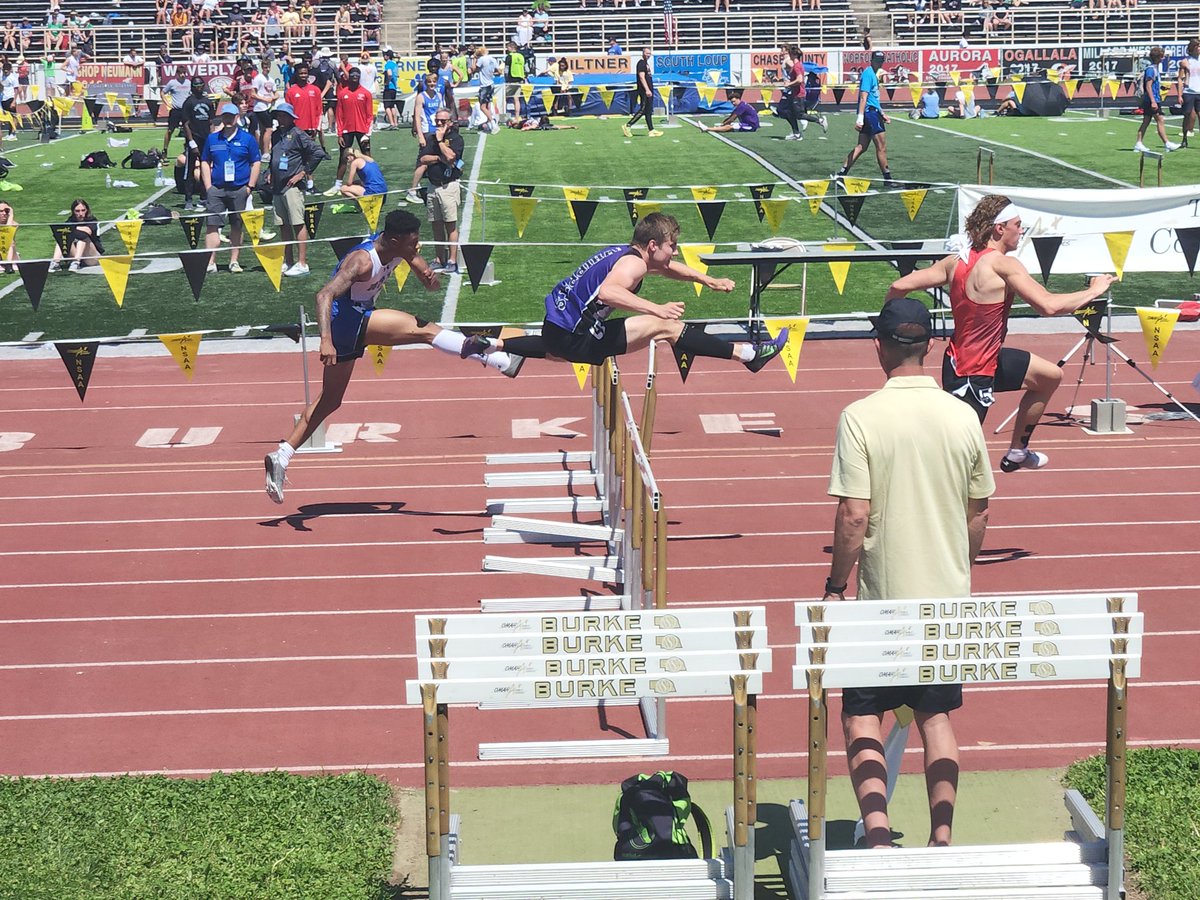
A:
x,y
471,659
1142,154
980,152
1026,638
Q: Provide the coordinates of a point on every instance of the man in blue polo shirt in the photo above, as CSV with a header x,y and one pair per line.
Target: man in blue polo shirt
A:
x,y
871,121
229,168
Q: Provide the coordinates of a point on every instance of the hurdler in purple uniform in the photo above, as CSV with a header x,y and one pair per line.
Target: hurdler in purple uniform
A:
x,y
578,327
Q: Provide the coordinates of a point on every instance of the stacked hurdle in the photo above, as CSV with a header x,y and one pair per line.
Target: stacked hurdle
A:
x,y
1005,640
543,658
633,528
604,470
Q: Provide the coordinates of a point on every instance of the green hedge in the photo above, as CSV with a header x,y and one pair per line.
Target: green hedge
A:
x,y
1162,819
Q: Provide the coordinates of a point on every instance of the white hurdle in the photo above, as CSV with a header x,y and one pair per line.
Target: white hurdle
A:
x,y
545,659
1011,639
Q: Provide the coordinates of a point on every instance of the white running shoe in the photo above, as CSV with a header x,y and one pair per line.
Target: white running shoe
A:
x,y
793,137
333,191
235,267
296,270
412,197
514,365
1139,147
276,476
1170,147
267,235
824,123
1031,460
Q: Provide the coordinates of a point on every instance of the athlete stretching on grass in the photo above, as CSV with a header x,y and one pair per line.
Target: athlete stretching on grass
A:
x,y
577,327
348,322
983,282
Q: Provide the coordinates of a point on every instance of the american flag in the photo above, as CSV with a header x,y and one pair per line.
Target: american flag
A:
x,y
670,26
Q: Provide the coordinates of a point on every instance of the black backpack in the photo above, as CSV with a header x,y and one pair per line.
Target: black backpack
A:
x,y
650,819
142,159
97,160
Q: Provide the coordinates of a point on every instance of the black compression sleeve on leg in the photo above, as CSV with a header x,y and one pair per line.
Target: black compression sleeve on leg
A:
x,y
531,346
698,342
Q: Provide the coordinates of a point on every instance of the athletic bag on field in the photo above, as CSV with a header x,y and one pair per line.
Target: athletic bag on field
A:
x,y
97,160
650,819
141,159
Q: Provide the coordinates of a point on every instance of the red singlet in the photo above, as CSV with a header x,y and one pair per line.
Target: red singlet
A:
x,y
979,328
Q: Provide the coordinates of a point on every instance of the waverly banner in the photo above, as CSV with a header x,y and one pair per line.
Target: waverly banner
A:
x,y
1101,230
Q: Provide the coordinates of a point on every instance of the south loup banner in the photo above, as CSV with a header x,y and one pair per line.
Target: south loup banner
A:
x,y
1083,217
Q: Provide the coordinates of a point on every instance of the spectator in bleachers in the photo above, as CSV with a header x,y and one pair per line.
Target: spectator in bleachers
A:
x,y
290,20
917,15
162,58
8,217
372,17
542,26
180,22
11,41
814,4
523,35
717,5
342,25
272,30
134,58
208,9
614,49
56,34
308,20
952,12
162,12
26,30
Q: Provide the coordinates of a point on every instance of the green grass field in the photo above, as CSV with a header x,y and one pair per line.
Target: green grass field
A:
x,y
1073,151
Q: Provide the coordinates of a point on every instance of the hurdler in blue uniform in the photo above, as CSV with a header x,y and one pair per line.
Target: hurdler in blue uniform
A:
x,y
349,321
578,327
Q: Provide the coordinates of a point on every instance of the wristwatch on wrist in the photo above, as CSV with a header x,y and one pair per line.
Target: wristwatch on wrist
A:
x,y
831,588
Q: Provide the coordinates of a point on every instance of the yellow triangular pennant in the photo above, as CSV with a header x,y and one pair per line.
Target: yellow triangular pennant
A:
x,y
401,272
664,91
643,208
1113,86
606,96
35,91
370,205
912,201
270,256
527,91
522,210
581,373
584,90
757,76
130,230
125,108
111,98
1019,90
701,194
6,116
183,347
574,193
857,185
1070,86
956,76
86,123
916,91
1118,248
379,354
773,212
708,92
816,191
116,273
1018,78
547,99
691,258
7,233
839,270
1157,325
968,89
1053,75
791,350
252,221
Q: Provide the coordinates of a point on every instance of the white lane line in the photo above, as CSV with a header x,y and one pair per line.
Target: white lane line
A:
x,y
1042,156
799,756
721,479
474,541
450,304
371,576
798,696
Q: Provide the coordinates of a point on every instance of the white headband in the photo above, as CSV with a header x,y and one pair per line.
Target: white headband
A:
x,y
1007,214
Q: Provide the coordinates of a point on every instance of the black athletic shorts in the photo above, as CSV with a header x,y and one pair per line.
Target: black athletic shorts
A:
x,y
174,118
1191,102
586,346
389,98
266,119
347,139
936,698
978,390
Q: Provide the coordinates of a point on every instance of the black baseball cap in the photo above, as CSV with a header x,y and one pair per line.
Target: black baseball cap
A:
x,y
877,57
904,320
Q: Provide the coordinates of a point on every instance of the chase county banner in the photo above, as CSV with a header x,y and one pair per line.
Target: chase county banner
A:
x,y
1083,217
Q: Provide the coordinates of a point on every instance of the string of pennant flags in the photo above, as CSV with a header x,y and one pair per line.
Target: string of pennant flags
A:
x,y
79,356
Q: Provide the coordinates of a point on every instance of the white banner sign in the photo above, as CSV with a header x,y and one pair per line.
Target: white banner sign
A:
x,y
1082,218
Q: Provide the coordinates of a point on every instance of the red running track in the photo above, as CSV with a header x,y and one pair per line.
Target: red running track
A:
x,y
158,613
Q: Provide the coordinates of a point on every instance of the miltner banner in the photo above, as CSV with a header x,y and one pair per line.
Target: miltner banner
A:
x,y
1083,217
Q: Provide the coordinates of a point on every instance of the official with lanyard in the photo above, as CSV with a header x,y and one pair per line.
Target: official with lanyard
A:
x,y
229,166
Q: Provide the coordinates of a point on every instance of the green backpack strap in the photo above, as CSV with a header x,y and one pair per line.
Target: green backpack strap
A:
x,y
704,829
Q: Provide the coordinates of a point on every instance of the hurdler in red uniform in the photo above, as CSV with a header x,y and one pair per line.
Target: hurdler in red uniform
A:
x,y
983,282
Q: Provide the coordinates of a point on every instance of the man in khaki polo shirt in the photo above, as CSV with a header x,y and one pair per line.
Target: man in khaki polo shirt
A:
x,y
912,479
